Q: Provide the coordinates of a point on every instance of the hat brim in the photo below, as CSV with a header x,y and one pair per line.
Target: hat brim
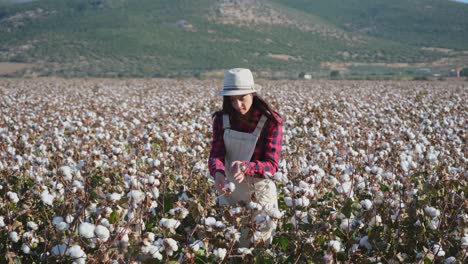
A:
x,y
256,89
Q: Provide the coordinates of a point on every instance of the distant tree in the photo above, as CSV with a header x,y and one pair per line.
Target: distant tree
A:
x,y
421,78
464,72
334,74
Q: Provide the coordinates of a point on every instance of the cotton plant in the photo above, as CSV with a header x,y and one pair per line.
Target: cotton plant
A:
x,y
169,224
219,253
358,159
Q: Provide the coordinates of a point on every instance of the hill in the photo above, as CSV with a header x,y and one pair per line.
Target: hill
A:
x,y
148,38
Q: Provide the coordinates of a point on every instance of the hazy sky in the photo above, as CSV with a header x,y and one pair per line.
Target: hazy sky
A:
x,y
23,1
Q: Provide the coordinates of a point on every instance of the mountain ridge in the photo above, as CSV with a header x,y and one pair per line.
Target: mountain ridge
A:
x,y
142,38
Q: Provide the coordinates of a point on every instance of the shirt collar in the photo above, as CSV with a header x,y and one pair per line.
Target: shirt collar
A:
x,y
256,113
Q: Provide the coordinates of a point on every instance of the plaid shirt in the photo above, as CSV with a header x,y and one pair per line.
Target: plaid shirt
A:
x,y
267,151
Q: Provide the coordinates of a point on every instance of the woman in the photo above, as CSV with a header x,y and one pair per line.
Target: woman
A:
x,y
247,137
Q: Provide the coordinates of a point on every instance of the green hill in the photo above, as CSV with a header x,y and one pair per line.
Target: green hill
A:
x,y
147,38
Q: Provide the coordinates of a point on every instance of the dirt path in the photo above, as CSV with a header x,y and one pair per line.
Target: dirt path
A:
x,y
11,67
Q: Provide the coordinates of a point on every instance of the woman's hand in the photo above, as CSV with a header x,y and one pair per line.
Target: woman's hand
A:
x,y
220,181
238,170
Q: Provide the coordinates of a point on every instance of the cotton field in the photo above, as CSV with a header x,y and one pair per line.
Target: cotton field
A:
x,y
115,171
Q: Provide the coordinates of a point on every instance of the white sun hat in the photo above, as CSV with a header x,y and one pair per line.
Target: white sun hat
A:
x,y
238,81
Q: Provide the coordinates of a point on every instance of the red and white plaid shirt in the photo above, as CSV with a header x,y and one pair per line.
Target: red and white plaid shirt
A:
x,y
267,151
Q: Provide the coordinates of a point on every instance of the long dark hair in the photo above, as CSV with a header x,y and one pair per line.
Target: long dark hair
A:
x,y
258,103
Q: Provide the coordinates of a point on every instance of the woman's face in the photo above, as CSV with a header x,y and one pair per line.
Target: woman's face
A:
x,y
242,103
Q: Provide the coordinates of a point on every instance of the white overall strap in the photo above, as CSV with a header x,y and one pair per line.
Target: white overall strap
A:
x,y
226,123
259,127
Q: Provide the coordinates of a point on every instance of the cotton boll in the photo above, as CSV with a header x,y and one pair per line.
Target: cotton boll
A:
x,y
62,226
364,242
210,221
59,250
13,197
179,212
278,176
257,237
219,225
66,171
69,219
375,221
288,201
245,251
31,225
254,205
154,251
346,189
78,184
379,197
102,233
366,204
123,236
464,241
336,246
310,240
232,234
303,185
13,236
170,246
91,210
154,192
404,165
235,211
195,246
86,230
434,223
229,187
260,220
136,197
2,223
450,260
413,192
299,218
275,213
286,191
303,201
438,251
77,254
220,253
432,212
432,155
346,224
29,238
25,248
114,197
389,176
47,198
156,163
57,219
170,224
354,248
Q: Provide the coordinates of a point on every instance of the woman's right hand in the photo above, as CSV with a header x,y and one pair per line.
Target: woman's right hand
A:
x,y
220,181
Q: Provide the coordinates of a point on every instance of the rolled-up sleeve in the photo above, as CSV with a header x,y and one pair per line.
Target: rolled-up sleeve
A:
x,y
273,137
218,151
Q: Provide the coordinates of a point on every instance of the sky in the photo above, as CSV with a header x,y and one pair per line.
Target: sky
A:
x,y
24,1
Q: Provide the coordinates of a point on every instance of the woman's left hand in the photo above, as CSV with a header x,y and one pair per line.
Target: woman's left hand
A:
x,y
237,170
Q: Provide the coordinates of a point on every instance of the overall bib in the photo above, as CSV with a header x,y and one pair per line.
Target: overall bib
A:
x,y
241,146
